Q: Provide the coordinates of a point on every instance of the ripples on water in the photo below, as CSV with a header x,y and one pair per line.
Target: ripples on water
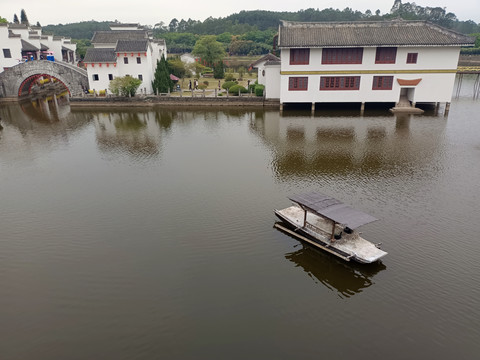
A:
x,y
145,234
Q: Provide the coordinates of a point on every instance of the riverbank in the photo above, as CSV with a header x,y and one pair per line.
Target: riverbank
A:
x,y
148,101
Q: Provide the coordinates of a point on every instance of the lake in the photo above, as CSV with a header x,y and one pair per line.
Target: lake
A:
x,y
148,233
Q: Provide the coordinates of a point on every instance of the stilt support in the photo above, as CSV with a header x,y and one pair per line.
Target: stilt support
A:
x,y
447,108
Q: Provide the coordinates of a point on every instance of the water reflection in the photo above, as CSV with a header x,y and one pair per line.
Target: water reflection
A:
x,y
339,145
347,279
136,134
38,126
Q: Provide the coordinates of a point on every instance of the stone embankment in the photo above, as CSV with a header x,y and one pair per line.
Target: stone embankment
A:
x,y
149,101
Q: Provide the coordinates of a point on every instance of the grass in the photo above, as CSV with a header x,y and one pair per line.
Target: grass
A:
x,y
213,83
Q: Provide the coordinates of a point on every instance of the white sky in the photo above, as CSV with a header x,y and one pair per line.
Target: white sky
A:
x,y
150,12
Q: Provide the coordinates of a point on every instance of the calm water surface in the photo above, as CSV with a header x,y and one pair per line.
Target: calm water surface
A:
x,y
148,234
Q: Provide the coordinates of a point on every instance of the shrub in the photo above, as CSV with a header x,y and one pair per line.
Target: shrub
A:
x,y
259,89
202,86
470,51
228,84
229,77
124,86
205,82
237,88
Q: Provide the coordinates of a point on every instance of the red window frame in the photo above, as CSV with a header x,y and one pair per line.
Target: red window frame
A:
x,y
340,83
412,58
299,56
386,55
382,83
342,56
298,83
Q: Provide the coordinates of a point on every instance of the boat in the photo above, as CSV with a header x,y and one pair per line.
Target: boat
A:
x,y
329,224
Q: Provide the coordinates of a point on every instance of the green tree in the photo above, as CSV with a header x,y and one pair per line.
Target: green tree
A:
x,y
15,19
82,46
124,86
161,82
177,67
209,49
3,20
23,17
218,70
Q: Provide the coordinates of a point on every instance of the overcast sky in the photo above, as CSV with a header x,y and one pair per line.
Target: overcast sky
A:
x,y
150,12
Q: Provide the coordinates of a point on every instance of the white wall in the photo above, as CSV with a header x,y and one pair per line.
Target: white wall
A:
x,y
103,71
14,45
435,66
272,78
134,69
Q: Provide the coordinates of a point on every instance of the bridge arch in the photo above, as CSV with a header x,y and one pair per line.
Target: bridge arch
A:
x,y
18,80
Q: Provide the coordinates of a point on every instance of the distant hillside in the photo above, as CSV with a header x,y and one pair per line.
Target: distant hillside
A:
x,y
81,30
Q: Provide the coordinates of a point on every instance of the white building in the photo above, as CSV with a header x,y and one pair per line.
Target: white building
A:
x,y
20,42
338,62
128,49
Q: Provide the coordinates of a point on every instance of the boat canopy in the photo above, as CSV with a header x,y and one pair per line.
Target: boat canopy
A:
x,y
332,209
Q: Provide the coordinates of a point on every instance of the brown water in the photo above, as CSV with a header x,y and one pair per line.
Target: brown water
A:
x,y
148,234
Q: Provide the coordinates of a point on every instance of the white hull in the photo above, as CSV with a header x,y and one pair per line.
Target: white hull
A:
x,y
349,246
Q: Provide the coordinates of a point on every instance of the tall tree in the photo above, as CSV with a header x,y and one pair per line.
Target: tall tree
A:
x,y
15,19
23,17
209,49
161,82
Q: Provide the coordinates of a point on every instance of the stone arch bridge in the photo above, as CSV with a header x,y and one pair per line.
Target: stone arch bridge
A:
x,y
19,80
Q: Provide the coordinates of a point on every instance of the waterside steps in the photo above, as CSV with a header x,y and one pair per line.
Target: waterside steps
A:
x,y
404,106
314,243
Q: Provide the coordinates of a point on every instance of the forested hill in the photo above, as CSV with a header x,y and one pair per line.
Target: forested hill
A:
x,y
82,30
245,21
252,32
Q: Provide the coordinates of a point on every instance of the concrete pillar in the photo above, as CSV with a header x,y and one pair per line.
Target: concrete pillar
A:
x,y
313,107
362,108
281,107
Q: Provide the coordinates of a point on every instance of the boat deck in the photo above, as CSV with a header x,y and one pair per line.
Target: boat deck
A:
x,y
352,244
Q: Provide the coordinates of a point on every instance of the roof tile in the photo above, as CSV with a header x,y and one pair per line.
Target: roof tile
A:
x,y
368,33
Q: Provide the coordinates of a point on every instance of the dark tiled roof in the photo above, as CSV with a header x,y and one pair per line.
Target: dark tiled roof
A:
x,y
26,46
159,41
111,37
272,62
363,33
125,25
43,47
97,55
17,26
131,45
12,35
268,57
